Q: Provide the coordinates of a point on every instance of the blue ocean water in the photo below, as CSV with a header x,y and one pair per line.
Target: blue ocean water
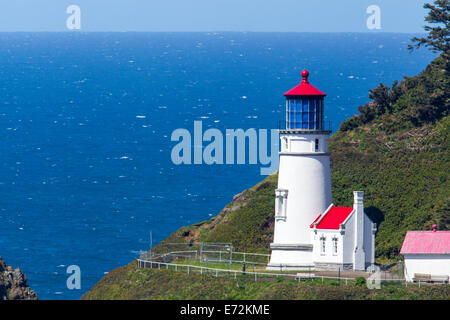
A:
x,y
86,120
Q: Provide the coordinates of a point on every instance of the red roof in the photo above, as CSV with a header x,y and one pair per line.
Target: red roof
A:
x,y
304,88
432,242
333,218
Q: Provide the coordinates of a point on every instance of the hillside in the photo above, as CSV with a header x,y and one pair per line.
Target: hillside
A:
x,y
132,283
396,150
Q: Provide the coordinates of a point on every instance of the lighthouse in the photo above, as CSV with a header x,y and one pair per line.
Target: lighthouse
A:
x,y
304,178
310,232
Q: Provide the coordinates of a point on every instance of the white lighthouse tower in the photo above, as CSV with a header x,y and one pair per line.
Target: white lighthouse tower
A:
x,y
304,181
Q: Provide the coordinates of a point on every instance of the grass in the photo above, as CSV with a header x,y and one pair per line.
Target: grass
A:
x,y
131,282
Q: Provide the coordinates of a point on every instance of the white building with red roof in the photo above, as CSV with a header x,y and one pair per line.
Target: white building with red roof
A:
x,y
344,237
310,232
427,255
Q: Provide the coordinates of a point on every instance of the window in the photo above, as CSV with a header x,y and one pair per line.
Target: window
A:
x,y
316,145
304,113
335,246
280,203
285,144
322,245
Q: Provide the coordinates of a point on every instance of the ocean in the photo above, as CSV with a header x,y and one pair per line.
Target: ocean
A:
x,y
86,122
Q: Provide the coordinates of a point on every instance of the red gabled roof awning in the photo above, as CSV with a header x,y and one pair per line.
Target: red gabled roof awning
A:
x,y
333,218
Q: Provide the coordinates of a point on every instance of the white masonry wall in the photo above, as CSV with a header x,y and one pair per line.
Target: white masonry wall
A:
x,y
329,256
306,175
369,241
349,239
438,264
305,178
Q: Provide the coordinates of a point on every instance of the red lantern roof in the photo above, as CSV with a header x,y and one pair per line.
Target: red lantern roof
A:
x,y
304,88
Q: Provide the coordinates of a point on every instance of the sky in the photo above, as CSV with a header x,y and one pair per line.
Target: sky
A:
x,y
213,15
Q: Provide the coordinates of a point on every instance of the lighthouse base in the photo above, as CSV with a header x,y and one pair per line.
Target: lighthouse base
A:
x,y
291,257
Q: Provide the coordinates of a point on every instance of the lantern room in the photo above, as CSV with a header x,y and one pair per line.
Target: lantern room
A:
x,y
304,106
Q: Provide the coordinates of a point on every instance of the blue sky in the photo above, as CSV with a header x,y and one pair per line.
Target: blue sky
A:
x,y
213,15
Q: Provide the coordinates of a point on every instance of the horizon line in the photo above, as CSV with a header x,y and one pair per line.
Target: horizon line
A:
x,y
206,31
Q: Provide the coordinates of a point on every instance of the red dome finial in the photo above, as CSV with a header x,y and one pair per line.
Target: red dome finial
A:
x,y
305,75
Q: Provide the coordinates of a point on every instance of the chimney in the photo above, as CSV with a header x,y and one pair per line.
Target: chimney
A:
x,y
359,259
434,227
358,197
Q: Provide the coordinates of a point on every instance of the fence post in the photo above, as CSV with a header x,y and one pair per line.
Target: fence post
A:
x,y
188,269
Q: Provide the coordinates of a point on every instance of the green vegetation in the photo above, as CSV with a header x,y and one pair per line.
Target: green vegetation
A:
x,y
132,283
438,35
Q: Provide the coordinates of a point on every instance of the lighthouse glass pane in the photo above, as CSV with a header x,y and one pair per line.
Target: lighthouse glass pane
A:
x,y
305,117
312,105
297,113
291,113
318,113
305,105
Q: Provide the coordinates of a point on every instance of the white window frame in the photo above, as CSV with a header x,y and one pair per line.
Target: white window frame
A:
x,y
285,144
323,245
281,203
335,246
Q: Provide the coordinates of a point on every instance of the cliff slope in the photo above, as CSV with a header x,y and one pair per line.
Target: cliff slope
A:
x,y
13,284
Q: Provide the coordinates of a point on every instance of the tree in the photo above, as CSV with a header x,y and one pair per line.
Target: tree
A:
x,y
438,36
